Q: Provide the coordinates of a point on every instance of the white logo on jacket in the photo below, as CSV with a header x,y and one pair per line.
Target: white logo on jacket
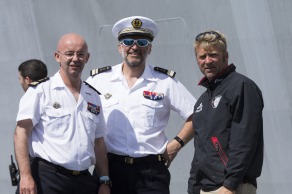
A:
x,y
199,108
215,101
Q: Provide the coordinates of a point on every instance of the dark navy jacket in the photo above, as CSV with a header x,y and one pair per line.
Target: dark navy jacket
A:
x,y
228,128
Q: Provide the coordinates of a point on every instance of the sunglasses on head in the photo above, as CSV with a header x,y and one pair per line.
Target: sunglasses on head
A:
x,y
131,42
218,36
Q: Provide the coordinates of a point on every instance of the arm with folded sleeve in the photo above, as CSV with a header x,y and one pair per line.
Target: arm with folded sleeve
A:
x,y
174,146
21,135
246,132
101,165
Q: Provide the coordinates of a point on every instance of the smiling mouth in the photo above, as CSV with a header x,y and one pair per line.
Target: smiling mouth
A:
x,y
134,55
75,67
209,69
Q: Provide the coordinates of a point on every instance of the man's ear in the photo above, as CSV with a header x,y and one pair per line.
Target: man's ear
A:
x,y
120,48
225,56
27,80
88,56
57,57
150,49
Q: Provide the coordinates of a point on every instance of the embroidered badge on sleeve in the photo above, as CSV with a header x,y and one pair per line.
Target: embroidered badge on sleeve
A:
x,y
93,108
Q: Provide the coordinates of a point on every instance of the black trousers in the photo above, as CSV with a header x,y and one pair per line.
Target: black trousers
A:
x,y
50,180
142,178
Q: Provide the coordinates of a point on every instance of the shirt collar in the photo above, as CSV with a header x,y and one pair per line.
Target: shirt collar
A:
x,y
117,75
147,74
217,79
57,81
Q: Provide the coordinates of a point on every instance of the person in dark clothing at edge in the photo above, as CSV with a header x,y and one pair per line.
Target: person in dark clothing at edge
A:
x,y
32,70
227,123
30,73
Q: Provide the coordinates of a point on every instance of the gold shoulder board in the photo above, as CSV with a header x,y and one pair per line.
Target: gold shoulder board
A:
x,y
100,70
35,83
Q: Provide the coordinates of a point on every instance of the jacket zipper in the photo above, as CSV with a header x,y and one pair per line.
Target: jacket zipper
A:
x,y
220,151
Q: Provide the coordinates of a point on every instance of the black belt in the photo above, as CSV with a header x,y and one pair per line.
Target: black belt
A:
x,y
131,160
60,168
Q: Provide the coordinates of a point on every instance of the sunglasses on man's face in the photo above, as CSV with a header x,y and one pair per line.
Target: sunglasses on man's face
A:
x,y
131,42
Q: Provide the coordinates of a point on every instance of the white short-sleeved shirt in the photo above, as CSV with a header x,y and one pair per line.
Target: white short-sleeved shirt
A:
x,y
137,117
64,130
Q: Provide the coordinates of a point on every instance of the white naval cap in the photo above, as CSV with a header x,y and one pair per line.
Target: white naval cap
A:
x,y
135,25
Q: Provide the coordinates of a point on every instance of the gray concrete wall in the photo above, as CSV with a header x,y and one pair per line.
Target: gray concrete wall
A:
x,y
259,35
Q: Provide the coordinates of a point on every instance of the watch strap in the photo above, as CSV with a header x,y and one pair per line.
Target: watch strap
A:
x,y
180,141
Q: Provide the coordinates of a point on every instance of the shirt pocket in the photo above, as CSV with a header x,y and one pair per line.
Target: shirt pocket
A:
x,y
58,121
109,107
91,122
150,112
109,103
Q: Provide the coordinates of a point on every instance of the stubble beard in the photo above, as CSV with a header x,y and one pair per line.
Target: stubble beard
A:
x,y
131,63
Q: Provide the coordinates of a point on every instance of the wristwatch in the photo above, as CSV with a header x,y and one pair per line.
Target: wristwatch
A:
x,y
105,180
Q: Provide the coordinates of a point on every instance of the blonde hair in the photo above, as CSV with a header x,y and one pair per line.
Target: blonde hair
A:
x,y
209,39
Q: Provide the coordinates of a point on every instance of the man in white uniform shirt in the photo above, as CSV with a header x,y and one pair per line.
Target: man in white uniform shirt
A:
x,y
60,127
137,99
31,71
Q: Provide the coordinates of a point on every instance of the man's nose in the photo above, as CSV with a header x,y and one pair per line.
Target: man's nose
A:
x,y
75,57
208,59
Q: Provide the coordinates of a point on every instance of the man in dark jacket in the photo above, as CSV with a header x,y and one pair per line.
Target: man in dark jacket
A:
x,y
227,123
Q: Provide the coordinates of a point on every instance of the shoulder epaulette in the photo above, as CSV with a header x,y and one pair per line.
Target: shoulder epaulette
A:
x,y
92,87
100,70
165,71
35,83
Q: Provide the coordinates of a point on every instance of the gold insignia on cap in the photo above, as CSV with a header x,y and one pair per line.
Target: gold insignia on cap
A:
x,y
137,23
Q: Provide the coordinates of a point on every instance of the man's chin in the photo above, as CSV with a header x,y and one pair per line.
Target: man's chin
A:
x,y
210,76
76,73
134,63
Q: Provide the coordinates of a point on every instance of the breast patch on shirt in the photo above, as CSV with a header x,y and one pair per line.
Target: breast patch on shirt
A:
x,y
153,95
93,108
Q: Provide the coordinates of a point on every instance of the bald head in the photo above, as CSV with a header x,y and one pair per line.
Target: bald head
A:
x,y
69,40
72,54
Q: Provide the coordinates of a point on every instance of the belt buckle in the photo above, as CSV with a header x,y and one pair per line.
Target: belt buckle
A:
x,y
129,160
74,172
159,157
